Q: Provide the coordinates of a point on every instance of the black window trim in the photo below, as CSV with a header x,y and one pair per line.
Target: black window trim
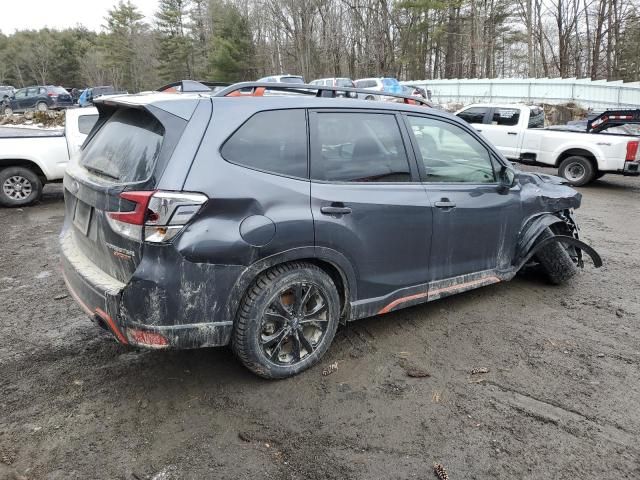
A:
x,y
464,126
404,134
261,170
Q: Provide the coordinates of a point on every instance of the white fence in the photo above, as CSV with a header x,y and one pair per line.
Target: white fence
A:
x,y
596,94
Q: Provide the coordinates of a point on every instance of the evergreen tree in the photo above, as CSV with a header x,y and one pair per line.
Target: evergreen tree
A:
x,y
232,51
175,52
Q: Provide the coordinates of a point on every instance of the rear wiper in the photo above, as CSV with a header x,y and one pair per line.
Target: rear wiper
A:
x,y
98,171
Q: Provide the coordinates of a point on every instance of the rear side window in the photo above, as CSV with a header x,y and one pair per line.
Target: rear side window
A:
x,y
125,148
473,114
272,141
506,116
86,123
358,147
536,118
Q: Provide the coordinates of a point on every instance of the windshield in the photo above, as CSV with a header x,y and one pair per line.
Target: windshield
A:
x,y
291,80
125,148
344,82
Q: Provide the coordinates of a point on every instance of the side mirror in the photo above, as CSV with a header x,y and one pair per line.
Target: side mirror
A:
x,y
506,178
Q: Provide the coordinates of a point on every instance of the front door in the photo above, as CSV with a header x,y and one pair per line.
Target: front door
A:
x,y
367,201
475,219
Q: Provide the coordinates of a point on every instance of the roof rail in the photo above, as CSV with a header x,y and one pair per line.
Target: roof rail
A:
x,y
611,118
192,86
257,89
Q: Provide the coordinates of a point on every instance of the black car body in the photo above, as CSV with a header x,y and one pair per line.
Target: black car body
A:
x,y
40,98
185,210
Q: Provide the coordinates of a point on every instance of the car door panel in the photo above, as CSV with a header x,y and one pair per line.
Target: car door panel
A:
x,y
504,131
475,219
383,228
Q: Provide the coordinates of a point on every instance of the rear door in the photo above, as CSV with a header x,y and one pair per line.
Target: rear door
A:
x,y
475,220
504,130
366,198
124,155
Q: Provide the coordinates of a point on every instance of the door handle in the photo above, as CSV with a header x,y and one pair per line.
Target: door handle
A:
x,y
512,133
335,210
445,203
478,130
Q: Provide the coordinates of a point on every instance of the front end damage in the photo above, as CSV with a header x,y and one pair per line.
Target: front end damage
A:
x,y
548,205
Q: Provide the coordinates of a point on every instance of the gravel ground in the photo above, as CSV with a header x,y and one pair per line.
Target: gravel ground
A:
x,y
560,399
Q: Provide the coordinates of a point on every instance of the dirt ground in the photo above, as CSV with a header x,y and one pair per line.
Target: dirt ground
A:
x,y
561,398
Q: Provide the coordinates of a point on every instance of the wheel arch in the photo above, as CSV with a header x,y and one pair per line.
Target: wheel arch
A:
x,y
532,229
578,152
330,261
21,162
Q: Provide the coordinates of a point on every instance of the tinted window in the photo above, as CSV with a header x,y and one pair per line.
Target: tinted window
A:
x,y
536,118
291,80
506,116
274,141
473,114
86,123
449,153
359,147
125,148
21,93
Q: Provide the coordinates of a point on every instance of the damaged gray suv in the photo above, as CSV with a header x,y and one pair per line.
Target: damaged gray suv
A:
x,y
259,220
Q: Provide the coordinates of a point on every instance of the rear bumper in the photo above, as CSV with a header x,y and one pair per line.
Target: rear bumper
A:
x,y
100,296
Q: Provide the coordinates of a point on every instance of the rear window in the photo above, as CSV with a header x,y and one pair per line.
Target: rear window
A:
x,y
125,148
58,90
86,123
536,118
272,141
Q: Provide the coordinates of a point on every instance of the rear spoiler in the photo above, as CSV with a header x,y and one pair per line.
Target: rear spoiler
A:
x,y
611,118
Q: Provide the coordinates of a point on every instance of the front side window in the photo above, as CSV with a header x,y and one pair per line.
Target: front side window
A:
x,y
273,141
358,147
506,116
449,153
21,93
473,114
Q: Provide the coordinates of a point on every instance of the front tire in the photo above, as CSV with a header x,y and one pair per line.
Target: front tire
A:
x,y
555,260
287,320
19,187
577,170
7,111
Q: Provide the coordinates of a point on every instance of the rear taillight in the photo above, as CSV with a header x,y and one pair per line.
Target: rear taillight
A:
x,y
52,95
632,151
158,216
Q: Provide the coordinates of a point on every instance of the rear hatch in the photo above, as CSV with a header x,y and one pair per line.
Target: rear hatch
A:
x,y
118,166
60,95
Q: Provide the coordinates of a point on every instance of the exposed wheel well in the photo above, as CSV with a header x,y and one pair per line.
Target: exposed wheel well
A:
x,y
580,152
27,164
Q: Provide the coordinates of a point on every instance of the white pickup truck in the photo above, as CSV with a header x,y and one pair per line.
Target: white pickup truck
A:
x,y
31,157
602,147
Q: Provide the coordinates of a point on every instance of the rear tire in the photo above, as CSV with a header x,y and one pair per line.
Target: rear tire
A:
x,y
42,107
19,187
369,97
289,310
577,170
555,260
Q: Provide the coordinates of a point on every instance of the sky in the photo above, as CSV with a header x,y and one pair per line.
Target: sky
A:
x,y
36,14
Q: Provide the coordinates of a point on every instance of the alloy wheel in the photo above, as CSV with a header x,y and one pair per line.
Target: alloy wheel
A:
x,y
17,187
294,323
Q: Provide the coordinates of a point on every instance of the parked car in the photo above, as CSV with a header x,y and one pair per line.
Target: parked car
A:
x,y
41,98
293,214
419,91
90,94
382,85
6,92
30,158
581,157
282,79
334,82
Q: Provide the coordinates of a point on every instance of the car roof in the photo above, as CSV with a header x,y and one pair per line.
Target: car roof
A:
x,y
498,105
